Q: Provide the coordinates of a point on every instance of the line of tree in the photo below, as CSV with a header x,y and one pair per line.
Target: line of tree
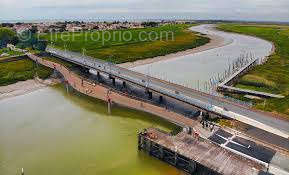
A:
x,y
150,24
27,39
7,36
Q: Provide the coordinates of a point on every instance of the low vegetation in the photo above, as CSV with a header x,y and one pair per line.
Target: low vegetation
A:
x,y
273,76
116,45
12,72
9,53
26,40
7,36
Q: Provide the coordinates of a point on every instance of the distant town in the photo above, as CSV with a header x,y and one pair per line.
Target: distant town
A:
x,y
76,26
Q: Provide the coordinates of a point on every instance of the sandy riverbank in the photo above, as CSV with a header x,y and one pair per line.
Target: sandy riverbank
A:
x,y
215,42
24,87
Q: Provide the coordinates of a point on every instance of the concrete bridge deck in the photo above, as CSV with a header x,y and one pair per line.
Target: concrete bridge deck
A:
x,y
202,101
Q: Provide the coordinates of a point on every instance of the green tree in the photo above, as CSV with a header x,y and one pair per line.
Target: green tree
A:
x,y
34,29
40,45
29,39
7,36
150,24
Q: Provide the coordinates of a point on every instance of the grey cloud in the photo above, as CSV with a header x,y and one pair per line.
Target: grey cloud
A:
x,y
201,9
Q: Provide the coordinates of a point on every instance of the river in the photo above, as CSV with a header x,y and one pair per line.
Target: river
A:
x,y
49,132
195,69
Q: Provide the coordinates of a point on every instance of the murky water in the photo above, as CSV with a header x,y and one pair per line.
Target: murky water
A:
x,y
195,69
48,132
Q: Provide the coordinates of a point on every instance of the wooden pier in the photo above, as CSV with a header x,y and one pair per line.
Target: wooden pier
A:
x,y
190,153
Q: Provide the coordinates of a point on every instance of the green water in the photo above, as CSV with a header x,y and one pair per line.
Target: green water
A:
x,y
49,132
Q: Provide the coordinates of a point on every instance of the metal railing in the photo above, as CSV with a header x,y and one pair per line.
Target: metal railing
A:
x,y
128,75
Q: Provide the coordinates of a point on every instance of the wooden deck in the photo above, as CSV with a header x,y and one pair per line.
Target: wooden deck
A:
x,y
205,153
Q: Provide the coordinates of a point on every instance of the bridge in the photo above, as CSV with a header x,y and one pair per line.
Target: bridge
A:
x,y
198,100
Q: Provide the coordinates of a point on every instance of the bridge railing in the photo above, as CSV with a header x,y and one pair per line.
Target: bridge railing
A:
x,y
128,75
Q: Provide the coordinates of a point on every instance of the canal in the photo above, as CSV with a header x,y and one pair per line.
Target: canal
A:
x,y
49,132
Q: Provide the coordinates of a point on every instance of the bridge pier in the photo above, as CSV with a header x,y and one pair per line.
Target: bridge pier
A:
x,y
56,74
190,131
206,115
86,70
192,167
123,84
150,94
201,114
175,159
109,106
113,80
161,99
67,87
98,75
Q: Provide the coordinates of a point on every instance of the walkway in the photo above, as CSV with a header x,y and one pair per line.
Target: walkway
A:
x,y
99,91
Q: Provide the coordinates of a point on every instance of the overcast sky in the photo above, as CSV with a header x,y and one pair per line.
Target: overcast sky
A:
x,y
265,10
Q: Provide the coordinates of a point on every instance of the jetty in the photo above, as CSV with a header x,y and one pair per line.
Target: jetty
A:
x,y
190,153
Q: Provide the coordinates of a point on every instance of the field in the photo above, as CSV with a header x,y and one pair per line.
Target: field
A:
x,y
119,46
12,72
273,76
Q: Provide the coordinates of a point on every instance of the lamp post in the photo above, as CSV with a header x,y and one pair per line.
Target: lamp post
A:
x,y
109,62
83,51
83,54
65,48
